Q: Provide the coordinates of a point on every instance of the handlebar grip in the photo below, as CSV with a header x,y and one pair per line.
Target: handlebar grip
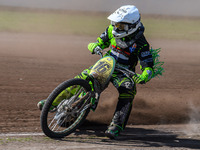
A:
x,y
98,51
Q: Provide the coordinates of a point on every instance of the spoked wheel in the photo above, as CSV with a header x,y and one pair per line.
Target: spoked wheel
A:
x,y
69,114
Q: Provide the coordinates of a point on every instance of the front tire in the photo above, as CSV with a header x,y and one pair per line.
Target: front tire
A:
x,y
70,113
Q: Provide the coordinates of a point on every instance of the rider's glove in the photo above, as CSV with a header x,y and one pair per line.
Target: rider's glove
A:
x,y
92,46
137,78
144,77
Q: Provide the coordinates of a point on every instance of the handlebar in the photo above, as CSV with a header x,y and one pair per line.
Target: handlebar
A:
x,y
98,51
120,68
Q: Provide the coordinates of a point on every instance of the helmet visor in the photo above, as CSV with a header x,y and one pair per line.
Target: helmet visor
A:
x,y
120,26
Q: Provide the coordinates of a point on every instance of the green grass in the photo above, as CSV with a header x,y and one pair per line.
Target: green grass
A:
x,y
13,139
172,28
56,23
92,24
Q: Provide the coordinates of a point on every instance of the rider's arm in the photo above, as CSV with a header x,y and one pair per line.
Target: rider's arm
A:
x,y
103,40
146,60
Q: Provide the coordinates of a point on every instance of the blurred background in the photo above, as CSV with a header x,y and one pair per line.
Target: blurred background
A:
x,y
164,21
160,7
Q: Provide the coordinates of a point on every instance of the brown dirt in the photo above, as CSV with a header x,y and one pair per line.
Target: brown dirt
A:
x,y
33,65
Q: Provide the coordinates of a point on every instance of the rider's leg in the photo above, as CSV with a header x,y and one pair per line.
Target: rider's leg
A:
x,y
67,93
127,91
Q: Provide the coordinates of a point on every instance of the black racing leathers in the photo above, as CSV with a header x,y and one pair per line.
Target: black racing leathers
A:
x,y
127,51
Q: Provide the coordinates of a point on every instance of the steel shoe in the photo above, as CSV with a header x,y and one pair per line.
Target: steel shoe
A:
x,y
113,131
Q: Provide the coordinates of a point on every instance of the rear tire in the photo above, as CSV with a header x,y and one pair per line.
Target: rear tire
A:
x,y
63,130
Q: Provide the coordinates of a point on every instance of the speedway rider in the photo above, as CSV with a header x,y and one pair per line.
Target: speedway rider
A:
x,y
127,45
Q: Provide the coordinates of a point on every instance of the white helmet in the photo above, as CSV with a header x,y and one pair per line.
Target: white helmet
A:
x,y
126,20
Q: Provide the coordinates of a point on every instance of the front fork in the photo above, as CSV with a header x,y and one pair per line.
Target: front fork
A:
x,y
94,94
94,101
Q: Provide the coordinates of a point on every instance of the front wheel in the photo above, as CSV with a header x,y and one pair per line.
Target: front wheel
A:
x,y
71,111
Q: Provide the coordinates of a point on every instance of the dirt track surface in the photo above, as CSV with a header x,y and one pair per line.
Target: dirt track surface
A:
x,y
33,65
92,137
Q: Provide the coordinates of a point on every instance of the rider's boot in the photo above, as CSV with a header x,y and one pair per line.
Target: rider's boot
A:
x,y
113,131
120,118
41,103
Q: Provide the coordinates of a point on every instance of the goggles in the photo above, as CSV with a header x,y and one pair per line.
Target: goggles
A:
x,y
120,26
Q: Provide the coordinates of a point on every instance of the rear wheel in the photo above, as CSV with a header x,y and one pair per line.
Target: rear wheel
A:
x,y
70,112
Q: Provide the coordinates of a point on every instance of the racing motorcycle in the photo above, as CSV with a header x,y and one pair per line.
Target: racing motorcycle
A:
x,y
82,96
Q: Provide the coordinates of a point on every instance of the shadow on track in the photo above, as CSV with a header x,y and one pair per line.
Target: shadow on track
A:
x,y
93,132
